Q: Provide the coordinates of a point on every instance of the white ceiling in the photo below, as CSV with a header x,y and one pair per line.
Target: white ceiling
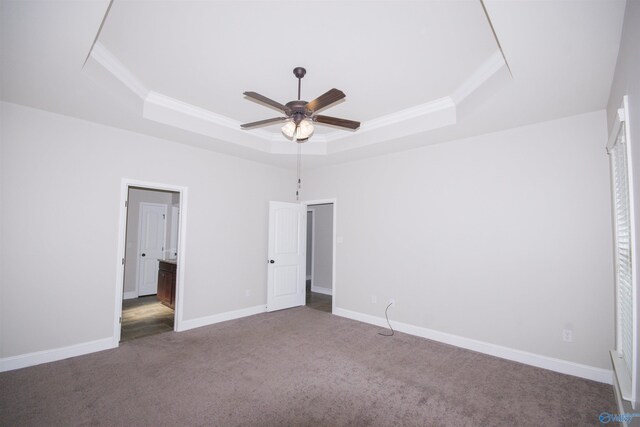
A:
x,y
415,73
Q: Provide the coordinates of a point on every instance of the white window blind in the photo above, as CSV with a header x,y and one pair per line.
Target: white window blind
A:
x,y
625,355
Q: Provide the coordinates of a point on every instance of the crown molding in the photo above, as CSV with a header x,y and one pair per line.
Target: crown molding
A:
x,y
109,62
409,113
199,113
174,112
487,69
313,147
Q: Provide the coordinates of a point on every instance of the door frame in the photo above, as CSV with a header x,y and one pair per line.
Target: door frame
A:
x,y
334,283
313,236
125,184
164,238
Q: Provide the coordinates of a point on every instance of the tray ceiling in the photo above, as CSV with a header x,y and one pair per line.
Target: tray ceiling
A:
x,y
415,73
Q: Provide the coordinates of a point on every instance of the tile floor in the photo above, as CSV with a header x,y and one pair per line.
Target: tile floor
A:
x,y
319,301
144,316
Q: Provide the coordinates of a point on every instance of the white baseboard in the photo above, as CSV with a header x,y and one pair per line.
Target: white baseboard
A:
x,y
38,357
322,290
130,295
537,360
221,317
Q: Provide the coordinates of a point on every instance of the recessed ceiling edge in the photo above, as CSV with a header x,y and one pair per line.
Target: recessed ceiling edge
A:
x,y
173,112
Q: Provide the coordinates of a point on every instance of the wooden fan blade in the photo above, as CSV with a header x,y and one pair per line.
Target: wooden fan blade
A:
x,y
324,100
261,98
263,122
343,123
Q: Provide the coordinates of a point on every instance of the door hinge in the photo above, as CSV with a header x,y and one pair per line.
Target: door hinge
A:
x,y
120,319
163,216
122,261
126,203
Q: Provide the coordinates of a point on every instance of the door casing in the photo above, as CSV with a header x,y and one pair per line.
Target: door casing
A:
x,y
334,239
122,229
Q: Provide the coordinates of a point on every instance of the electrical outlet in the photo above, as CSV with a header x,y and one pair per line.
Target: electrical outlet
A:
x,y
247,293
374,299
392,301
567,335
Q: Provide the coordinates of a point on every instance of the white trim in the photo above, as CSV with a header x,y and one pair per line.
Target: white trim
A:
x,y
537,360
313,243
487,69
130,295
180,114
122,236
334,202
322,290
634,248
619,402
184,113
187,109
104,57
221,317
623,379
401,116
627,390
182,239
621,119
46,356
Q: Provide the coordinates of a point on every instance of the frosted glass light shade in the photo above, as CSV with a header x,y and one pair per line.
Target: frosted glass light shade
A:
x,y
289,129
302,131
305,129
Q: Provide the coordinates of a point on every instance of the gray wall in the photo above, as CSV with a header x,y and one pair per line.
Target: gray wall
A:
x,y
503,238
323,247
309,243
61,181
626,81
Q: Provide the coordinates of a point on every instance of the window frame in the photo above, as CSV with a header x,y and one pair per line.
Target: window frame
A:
x,y
626,380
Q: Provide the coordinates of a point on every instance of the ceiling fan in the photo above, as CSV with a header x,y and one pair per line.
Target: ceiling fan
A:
x,y
300,115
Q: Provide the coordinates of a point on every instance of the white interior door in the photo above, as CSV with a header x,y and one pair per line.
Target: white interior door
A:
x,y
286,268
152,229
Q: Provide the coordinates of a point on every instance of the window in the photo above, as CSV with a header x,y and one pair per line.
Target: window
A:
x,y
624,357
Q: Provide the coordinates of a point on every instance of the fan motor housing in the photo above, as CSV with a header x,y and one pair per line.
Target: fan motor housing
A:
x,y
298,110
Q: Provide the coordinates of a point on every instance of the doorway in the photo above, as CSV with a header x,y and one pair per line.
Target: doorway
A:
x,y
150,275
320,256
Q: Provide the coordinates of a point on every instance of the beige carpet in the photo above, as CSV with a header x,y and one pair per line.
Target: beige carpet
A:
x,y
297,367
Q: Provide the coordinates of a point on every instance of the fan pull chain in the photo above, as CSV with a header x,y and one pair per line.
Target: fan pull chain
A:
x,y
299,168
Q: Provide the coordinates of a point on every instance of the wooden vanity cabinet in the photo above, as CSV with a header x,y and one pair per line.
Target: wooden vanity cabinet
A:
x,y
167,283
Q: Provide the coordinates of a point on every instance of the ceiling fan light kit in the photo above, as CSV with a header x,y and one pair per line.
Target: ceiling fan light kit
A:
x,y
301,132
300,115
